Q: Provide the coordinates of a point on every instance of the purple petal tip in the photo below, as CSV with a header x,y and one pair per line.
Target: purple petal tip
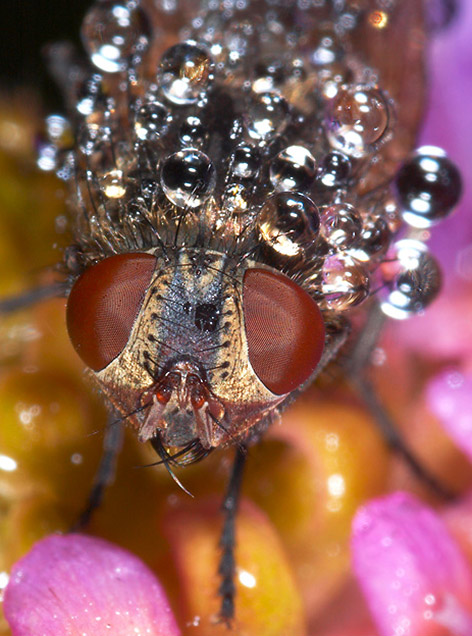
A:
x,y
75,584
449,396
413,575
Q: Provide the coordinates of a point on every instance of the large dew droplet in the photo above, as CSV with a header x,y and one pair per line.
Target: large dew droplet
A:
x,y
111,31
357,119
412,280
345,282
428,187
188,178
288,223
185,73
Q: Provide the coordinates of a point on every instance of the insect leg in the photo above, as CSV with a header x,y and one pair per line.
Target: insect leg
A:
x,y
226,567
31,297
106,471
356,373
394,439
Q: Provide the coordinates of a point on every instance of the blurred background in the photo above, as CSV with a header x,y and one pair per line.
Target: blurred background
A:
x,y
26,26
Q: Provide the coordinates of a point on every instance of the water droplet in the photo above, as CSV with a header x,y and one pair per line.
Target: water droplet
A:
x,y
334,169
112,184
428,187
188,178
412,280
152,121
293,169
341,225
47,157
186,72
270,74
193,132
267,116
288,223
245,162
111,31
59,131
327,48
374,239
230,37
357,119
345,283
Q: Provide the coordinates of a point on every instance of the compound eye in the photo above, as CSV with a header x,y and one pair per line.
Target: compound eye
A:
x,y
285,331
103,305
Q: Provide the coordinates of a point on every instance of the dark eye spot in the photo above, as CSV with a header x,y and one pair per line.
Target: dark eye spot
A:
x,y
206,316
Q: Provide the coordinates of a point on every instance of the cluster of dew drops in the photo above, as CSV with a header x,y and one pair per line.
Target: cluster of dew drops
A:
x,y
311,122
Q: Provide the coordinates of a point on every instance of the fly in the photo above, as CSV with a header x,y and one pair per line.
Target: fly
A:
x,y
238,186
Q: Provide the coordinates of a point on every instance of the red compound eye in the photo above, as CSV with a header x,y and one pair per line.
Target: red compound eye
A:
x,y
103,305
284,330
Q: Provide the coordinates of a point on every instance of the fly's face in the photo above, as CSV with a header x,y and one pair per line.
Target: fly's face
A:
x,y
191,346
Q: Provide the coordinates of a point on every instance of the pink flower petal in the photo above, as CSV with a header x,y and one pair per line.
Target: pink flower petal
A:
x,y
78,585
413,575
449,397
445,125
444,331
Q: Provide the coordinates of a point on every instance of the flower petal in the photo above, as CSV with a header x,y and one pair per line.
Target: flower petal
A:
x,y
415,579
449,396
451,91
76,584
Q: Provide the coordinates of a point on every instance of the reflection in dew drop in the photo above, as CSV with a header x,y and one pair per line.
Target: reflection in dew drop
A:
x,y
186,72
332,442
293,169
412,280
266,116
188,178
8,464
247,579
327,48
288,223
430,599
378,19
428,187
4,578
336,485
345,283
59,130
152,121
47,157
374,240
110,32
341,225
27,415
356,120
245,162
77,459
192,131
112,184
334,169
